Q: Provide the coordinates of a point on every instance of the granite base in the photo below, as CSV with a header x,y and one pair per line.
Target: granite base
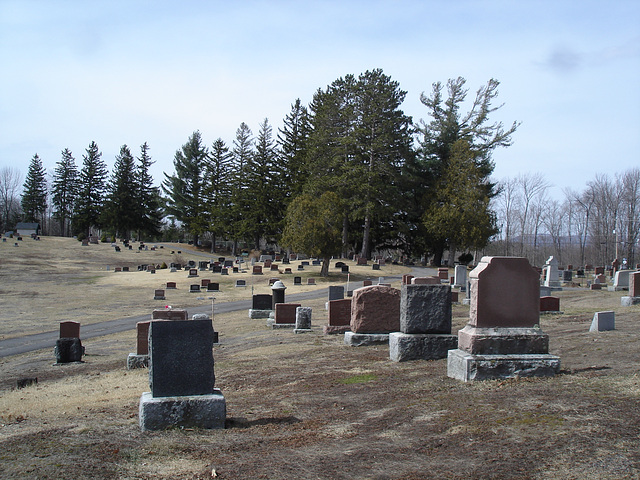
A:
x,y
420,346
629,301
137,361
194,411
364,339
253,313
335,329
467,367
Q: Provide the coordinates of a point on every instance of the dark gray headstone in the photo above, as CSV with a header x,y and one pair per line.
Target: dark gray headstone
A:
x,y
261,301
336,292
345,268
68,350
181,358
567,275
425,309
297,280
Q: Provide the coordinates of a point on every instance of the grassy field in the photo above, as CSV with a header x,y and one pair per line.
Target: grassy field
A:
x,y
304,406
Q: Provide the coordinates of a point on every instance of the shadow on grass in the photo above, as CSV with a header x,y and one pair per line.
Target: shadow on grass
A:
x,y
241,422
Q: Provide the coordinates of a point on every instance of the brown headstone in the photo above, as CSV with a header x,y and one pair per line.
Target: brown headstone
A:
x,y
634,284
595,286
142,339
204,282
443,273
257,270
375,309
599,271
340,312
505,292
406,279
69,329
171,284
169,314
549,304
286,312
425,281
366,283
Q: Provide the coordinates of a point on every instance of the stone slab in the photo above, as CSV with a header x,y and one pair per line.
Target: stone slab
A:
x,y
425,309
255,313
420,346
181,355
502,341
335,329
603,321
467,367
363,339
629,301
196,411
135,360
68,350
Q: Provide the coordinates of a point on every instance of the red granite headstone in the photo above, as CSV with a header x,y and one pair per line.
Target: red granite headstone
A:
x,y
204,282
599,271
634,284
443,273
406,279
69,329
171,284
257,270
425,281
375,309
549,304
286,313
595,286
142,339
366,283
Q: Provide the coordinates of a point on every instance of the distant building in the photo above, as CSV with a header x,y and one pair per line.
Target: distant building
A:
x,y
26,229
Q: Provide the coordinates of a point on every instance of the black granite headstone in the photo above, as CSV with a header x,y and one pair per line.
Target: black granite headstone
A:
x,y
261,301
181,358
68,350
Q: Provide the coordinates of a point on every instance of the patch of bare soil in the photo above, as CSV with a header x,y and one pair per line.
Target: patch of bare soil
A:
x,y
308,406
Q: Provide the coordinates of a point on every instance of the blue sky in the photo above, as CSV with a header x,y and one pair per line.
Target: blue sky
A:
x,y
133,71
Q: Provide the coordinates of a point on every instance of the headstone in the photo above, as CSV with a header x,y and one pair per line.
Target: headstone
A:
x,y
634,291
68,350
171,285
567,275
169,314
339,317
241,283
140,359
336,292
425,324
297,280
375,312
600,278
300,267
460,277
193,272
125,269
204,282
316,263
443,273
288,271
261,301
615,265
303,320
425,281
267,263
69,329
375,266
274,267
272,280
339,264
361,261
598,271
195,288
257,270
549,304
603,321
406,279
213,287
85,242
158,294
551,275
580,273
277,293
595,286
502,338
117,269
311,281
285,314
345,269
182,378
621,280
224,271
366,283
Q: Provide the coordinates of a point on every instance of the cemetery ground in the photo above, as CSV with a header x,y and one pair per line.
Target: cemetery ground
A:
x,y
303,406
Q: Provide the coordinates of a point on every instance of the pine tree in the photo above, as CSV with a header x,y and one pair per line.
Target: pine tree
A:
x,y
185,187
438,137
292,150
242,151
122,210
91,196
64,190
148,196
34,196
217,192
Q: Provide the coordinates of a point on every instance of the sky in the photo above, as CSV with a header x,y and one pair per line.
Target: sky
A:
x,y
128,72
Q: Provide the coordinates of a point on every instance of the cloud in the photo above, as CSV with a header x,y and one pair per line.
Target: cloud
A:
x,y
563,59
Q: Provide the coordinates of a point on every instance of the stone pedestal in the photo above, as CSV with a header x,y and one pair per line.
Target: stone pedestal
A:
x,y
192,411
137,361
629,301
467,367
363,339
420,346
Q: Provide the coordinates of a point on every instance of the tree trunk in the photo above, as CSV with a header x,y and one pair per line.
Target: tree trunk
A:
x,y
345,236
365,237
324,271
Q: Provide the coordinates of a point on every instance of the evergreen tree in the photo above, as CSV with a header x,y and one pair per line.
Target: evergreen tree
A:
x,y
262,213
34,196
241,153
447,126
122,210
91,195
292,149
217,192
64,190
185,187
148,197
